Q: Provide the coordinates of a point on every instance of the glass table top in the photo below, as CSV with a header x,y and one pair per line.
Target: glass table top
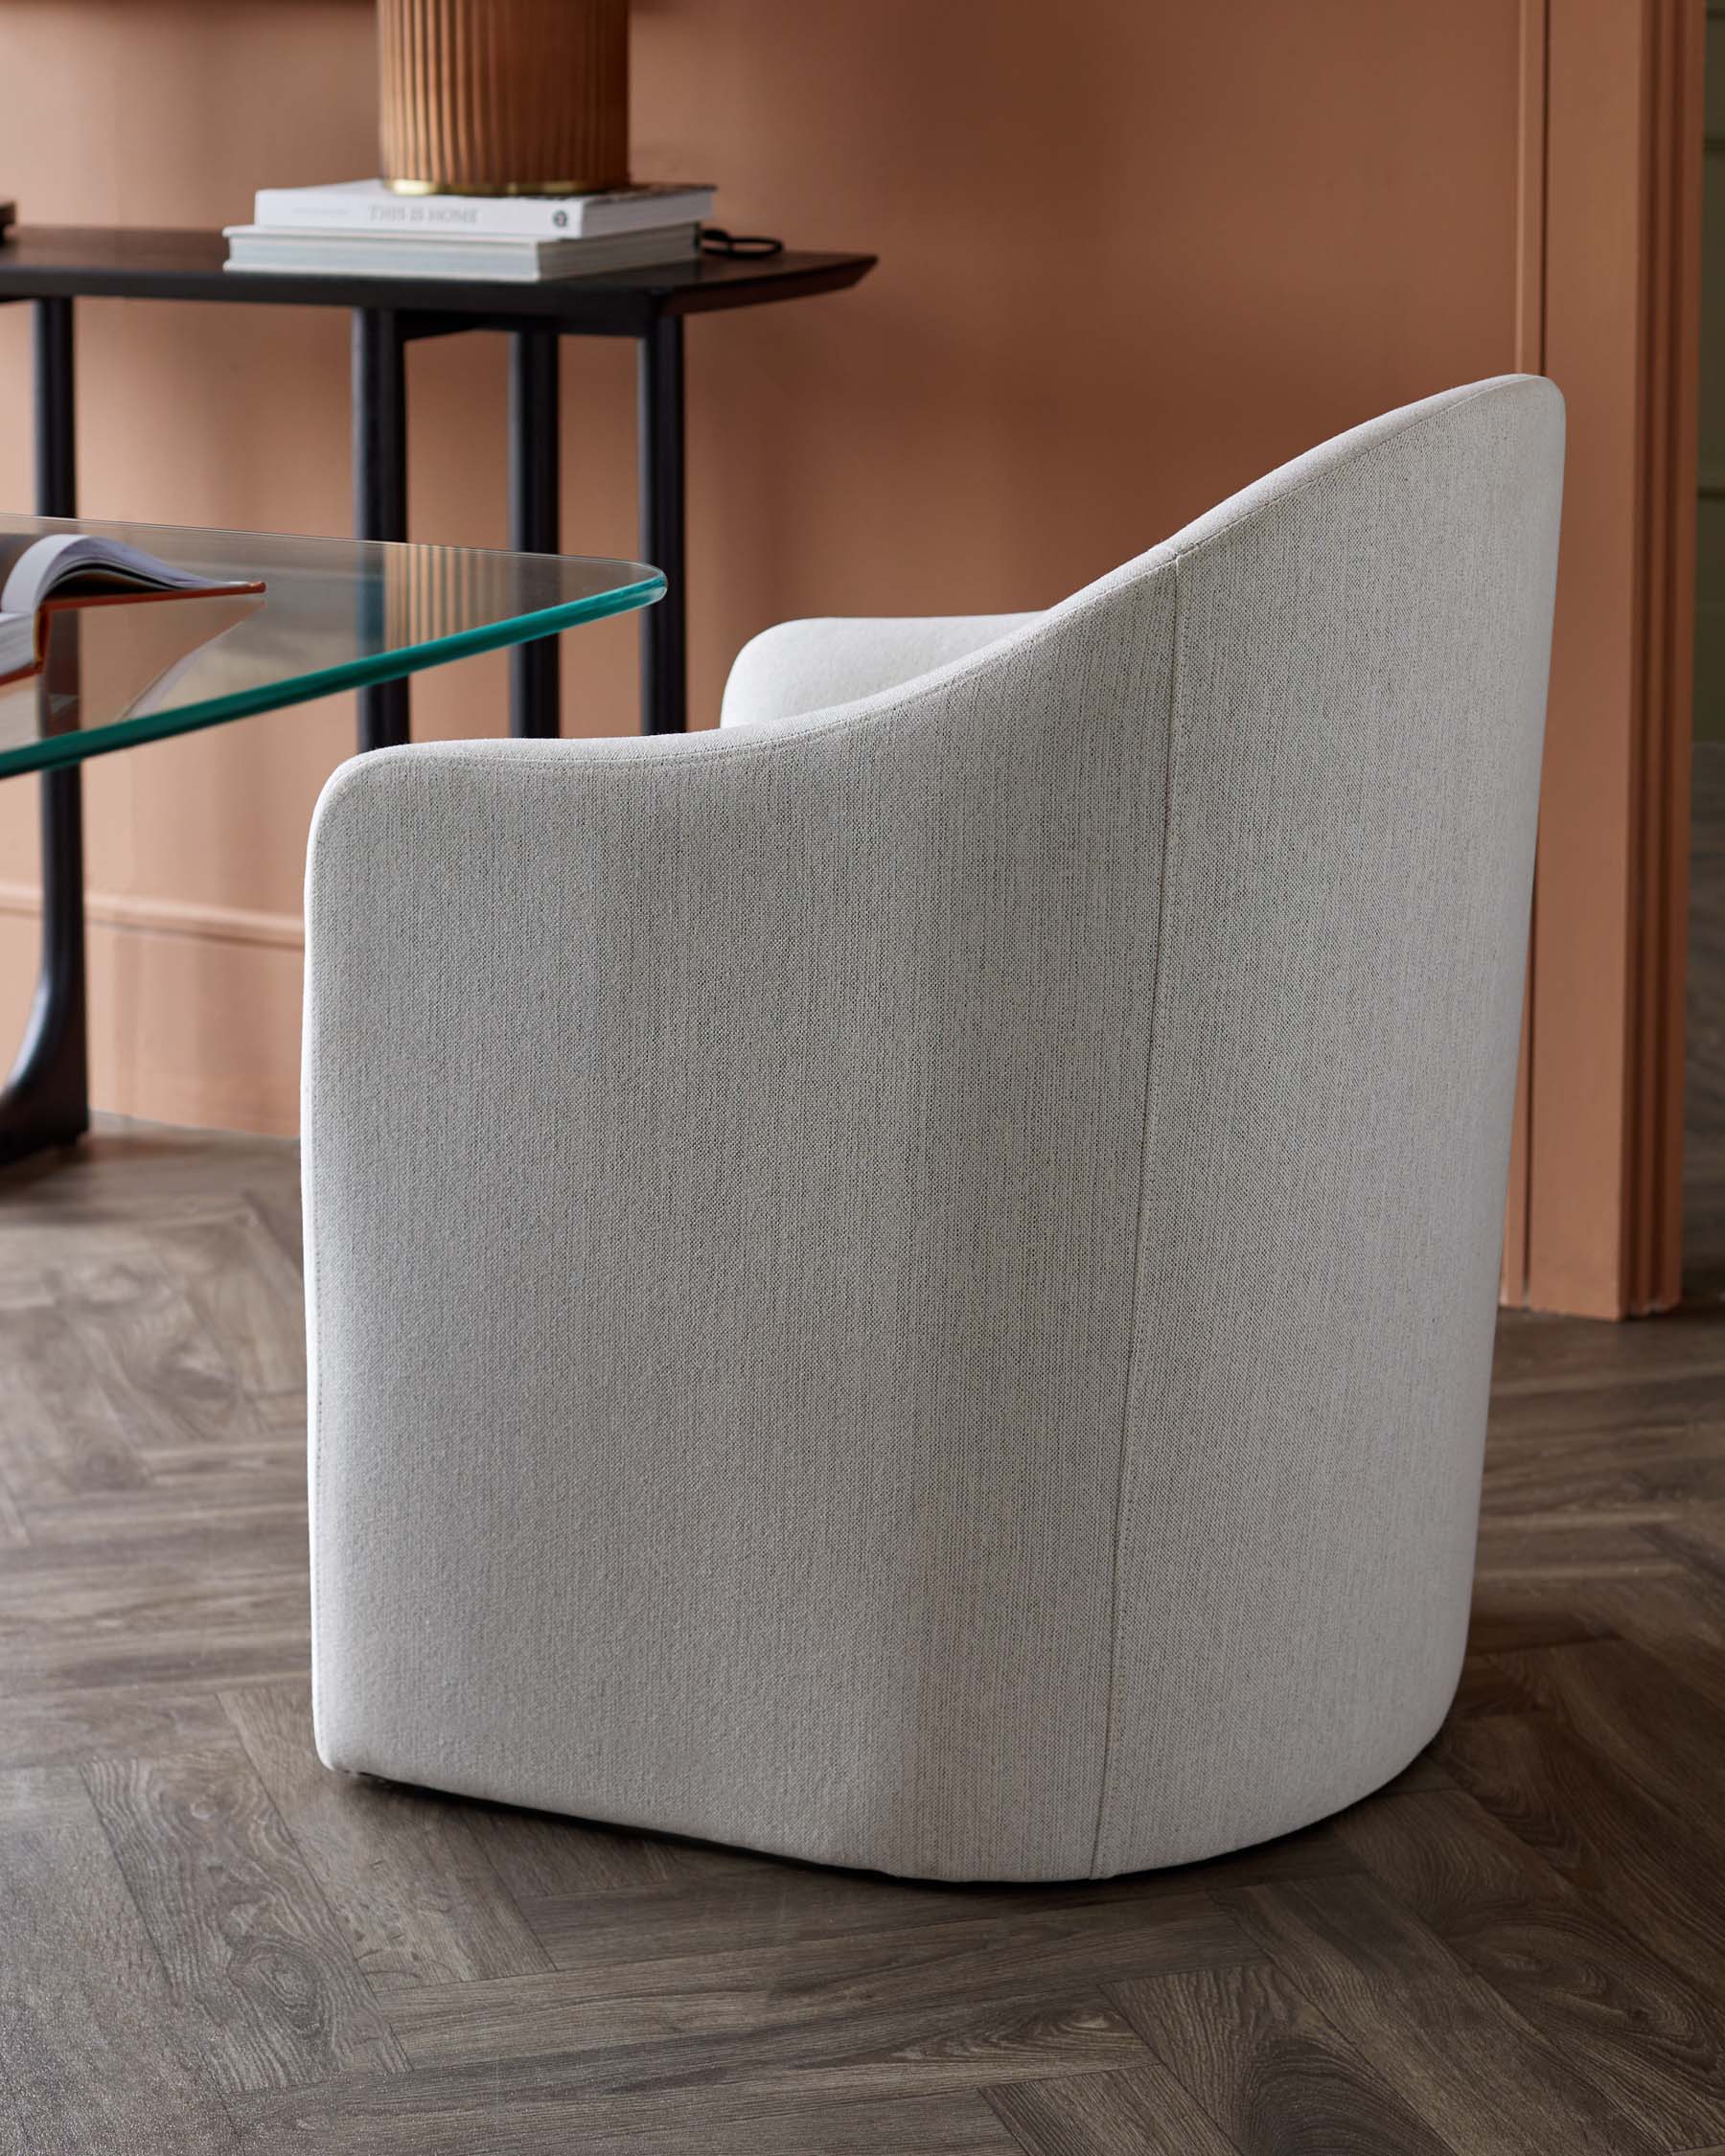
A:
x,y
333,614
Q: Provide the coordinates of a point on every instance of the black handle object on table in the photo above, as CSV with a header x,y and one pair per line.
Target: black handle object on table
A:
x,y
749,246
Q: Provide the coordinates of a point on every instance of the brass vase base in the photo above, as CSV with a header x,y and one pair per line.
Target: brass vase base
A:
x,y
507,187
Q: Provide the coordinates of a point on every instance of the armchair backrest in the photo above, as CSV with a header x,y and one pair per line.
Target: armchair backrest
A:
x,y
1241,836
1356,704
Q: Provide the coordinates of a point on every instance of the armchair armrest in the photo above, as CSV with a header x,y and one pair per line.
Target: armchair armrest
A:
x,y
720,1153
802,666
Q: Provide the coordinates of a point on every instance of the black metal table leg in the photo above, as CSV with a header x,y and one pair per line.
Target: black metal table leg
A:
x,y
47,1098
381,485
534,467
664,660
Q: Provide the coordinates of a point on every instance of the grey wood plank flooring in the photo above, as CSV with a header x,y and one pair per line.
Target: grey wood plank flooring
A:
x,y
404,1872
1100,2114
1269,2068
96,2056
247,1943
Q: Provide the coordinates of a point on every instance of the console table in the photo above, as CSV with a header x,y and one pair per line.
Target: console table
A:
x,y
54,266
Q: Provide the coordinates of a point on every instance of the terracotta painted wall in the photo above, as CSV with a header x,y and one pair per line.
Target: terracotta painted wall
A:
x,y
1131,255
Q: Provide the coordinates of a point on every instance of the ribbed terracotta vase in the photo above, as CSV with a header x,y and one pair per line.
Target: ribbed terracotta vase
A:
x,y
504,97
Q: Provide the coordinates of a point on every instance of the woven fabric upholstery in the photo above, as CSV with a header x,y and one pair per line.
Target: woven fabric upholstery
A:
x,y
910,1281
804,666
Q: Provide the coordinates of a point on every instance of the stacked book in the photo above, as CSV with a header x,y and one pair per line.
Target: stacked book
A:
x,y
363,228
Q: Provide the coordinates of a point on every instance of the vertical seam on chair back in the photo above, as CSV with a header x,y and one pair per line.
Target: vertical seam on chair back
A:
x,y
1154,1031
315,1312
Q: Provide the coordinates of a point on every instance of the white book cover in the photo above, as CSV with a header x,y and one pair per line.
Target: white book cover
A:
x,y
370,206
442,254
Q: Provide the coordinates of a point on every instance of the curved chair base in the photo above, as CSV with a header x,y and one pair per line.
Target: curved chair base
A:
x,y
854,1856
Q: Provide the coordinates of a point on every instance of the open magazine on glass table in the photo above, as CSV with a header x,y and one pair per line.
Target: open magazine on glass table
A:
x,y
45,575
148,631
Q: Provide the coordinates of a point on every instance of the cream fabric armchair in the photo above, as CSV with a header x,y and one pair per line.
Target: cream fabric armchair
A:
x,y
911,1281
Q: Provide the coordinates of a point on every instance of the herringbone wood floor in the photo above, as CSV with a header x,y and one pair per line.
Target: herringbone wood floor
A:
x,y
208,1943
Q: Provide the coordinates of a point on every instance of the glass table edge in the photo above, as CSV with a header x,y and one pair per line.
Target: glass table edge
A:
x,y
50,752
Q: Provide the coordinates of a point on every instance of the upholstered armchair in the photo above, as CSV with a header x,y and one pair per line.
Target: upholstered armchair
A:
x,y
910,1281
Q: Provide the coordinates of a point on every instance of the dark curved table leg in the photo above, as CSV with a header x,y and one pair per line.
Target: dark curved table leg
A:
x,y
47,1098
